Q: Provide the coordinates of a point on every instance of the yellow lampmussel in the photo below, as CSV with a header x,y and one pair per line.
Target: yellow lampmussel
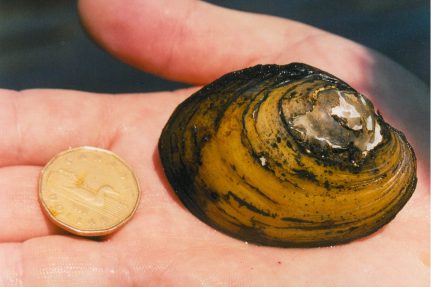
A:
x,y
286,156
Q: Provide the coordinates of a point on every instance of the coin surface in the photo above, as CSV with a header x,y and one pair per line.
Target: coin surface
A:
x,y
88,191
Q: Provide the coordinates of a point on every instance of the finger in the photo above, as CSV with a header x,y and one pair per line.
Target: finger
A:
x,y
195,42
68,261
36,124
20,214
58,261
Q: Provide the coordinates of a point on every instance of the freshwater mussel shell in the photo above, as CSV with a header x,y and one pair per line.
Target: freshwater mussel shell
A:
x,y
286,156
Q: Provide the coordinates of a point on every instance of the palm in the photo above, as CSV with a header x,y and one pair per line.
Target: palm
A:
x,y
164,244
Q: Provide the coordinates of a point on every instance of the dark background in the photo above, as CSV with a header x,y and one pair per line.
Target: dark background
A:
x,y
43,45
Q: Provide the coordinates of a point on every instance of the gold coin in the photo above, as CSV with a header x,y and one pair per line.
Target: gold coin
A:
x,y
88,191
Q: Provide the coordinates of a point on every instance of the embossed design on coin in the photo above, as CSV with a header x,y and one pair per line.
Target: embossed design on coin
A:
x,y
88,191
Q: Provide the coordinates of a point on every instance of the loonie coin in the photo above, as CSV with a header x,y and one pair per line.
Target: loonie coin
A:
x,y
88,191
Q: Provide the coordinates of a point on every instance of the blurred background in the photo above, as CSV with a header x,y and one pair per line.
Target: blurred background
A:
x,y
43,45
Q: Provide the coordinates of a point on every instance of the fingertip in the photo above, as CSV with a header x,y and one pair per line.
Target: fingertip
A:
x,y
139,33
197,42
193,41
103,21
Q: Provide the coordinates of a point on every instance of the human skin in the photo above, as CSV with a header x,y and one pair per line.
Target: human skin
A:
x,y
163,244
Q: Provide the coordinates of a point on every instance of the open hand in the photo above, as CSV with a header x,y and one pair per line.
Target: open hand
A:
x,y
163,244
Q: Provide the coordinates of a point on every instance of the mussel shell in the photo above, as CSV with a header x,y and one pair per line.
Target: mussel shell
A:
x,y
286,156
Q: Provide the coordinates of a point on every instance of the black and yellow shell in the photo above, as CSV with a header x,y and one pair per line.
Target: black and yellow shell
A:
x,y
286,156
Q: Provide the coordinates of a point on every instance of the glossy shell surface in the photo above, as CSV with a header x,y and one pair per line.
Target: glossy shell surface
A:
x,y
286,156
